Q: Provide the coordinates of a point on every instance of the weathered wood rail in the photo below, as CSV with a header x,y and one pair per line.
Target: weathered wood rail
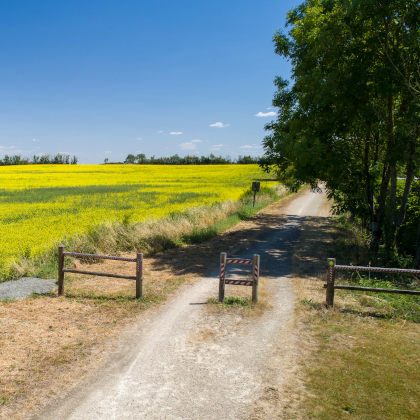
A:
x,y
255,274
138,277
330,286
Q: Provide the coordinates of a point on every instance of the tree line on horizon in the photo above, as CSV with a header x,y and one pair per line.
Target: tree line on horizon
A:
x,y
349,116
57,159
211,159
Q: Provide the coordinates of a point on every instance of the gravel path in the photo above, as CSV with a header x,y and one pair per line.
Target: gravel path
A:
x,y
186,363
25,287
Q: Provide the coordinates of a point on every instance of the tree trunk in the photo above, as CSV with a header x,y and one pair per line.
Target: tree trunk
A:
x,y
377,225
369,192
391,211
417,259
411,170
390,157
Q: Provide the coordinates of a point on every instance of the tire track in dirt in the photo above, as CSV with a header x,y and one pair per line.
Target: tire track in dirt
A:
x,y
161,367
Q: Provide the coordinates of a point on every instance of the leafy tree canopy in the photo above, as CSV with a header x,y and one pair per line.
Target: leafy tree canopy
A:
x,y
349,117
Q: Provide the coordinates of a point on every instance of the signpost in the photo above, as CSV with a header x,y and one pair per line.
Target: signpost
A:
x,y
256,185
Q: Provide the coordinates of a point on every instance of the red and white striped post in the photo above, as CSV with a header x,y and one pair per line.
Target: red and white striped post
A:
x,y
223,257
255,277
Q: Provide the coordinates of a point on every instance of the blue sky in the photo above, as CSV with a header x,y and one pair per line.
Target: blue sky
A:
x,y
106,78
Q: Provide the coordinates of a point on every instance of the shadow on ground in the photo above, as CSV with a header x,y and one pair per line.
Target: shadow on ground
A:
x,y
276,238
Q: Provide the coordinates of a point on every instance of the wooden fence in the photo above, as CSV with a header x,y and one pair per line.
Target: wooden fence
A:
x,y
255,274
330,286
138,277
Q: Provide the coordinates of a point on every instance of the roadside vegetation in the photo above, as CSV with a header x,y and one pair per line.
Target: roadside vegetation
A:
x,y
360,358
42,205
348,119
192,226
348,122
48,343
361,366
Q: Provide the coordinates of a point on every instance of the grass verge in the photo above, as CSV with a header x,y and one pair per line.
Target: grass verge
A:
x,y
49,343
191,227
362,366
360,358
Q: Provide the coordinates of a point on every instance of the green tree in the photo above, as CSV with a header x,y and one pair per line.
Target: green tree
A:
x,y
350,117
130,159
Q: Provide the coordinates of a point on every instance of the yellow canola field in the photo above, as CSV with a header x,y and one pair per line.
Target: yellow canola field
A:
x,y
41,204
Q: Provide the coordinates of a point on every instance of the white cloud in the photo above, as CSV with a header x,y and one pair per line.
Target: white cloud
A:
x,y
107,152
265,114
7,148
251,146
188,145
35,140
176,133
139,138
11,149
216,146
160,132
196,141
219,124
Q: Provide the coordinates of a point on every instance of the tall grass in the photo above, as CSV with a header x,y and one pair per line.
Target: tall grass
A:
x,y
192,226
41,204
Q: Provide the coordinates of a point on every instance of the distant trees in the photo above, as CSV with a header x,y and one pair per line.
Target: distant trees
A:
x,y
188,160
58,159
350,119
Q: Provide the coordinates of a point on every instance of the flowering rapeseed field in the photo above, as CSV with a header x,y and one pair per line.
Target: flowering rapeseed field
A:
x,y
42,204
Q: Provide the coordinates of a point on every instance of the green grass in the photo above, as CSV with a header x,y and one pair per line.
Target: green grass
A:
x,y
42,205
361,357
232,301
177,229
363,368
245,211
384,305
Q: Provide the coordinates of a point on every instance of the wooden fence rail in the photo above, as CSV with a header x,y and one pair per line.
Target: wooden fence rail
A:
x,y
138,277
330,286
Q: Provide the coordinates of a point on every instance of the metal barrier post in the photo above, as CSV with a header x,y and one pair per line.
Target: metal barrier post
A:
x,y
256,276
223,257
329,299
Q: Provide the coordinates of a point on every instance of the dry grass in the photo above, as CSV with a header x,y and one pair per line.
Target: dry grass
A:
x,y
45,341
41,338
193,225
48,344
359,365
354,362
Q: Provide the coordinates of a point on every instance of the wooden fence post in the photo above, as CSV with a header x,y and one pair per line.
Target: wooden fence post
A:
x,y
60,270
223,257
139,275
330,283
256,276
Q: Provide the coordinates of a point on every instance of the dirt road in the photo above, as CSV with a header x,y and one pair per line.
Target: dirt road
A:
x,y
184,361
